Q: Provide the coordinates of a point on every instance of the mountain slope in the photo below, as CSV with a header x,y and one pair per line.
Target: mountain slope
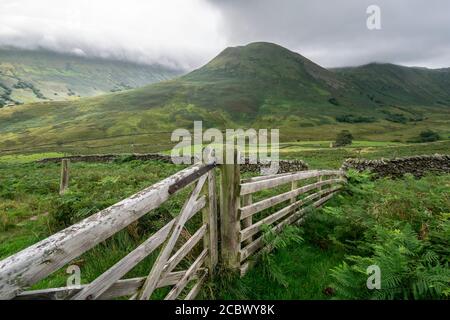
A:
x,y
401,85
29,76
260,85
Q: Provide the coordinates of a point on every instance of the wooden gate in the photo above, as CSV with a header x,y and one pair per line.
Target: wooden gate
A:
x,y
33,264
240,234
241,237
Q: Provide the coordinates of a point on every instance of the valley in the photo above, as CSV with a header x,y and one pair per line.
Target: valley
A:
x,y
385,107
28,76
261,85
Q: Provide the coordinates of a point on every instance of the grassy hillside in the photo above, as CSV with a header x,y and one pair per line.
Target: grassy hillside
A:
x,y
36,75
391,84
260,85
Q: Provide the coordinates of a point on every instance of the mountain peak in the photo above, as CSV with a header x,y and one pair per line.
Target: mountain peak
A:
x,y
264,62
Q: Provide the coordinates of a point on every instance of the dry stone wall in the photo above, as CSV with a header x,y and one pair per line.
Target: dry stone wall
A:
x,y
284,165
415,165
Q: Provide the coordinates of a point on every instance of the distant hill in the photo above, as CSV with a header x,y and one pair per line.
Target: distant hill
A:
x,y
260,85
37,75
393,84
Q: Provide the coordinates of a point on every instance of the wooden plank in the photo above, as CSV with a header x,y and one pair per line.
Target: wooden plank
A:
x,y
211,218
178,288
38,261
258,243
245,267
266,177
116,272
64,182
255,228
248,221
164,255
185,249
270,202
96,288
180,184
325,199
121,288
229,215
277,181
197,287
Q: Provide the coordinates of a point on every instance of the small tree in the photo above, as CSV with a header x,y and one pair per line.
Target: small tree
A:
x,y
344,138
428,136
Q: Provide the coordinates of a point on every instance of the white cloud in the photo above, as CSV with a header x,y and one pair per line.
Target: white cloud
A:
x,y
188,33
170,32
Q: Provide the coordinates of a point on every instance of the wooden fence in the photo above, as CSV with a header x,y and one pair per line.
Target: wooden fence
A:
x,y
241,231
240,234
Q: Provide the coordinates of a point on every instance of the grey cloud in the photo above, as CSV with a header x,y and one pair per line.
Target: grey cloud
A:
x,y
175,32
188,33
334,33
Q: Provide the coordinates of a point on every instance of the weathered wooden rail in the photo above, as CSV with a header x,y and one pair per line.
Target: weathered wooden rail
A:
x,y
240,234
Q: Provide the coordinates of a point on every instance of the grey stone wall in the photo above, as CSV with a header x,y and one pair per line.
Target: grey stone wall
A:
x,y
415,165
285,165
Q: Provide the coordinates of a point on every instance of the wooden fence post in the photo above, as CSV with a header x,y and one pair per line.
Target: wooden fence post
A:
x,y
229,212
293,187
210,240
64,183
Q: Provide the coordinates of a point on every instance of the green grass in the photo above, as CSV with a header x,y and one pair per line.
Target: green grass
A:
x,y
306,269
20,158
260,85
396,224
49,76
31,209
325,157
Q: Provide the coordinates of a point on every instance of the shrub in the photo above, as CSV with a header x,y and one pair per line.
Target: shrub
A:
x,y
402,226
333,101
428,136
349,118
274,241
395,117
408,269
343,138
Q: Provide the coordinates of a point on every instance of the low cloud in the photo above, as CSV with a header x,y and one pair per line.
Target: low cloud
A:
x,y
188,33
176,32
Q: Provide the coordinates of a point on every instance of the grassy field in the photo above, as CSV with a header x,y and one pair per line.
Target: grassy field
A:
x,y
317,154
31,209
403,226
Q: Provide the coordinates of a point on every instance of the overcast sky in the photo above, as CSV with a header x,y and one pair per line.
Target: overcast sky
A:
x,y
188,33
